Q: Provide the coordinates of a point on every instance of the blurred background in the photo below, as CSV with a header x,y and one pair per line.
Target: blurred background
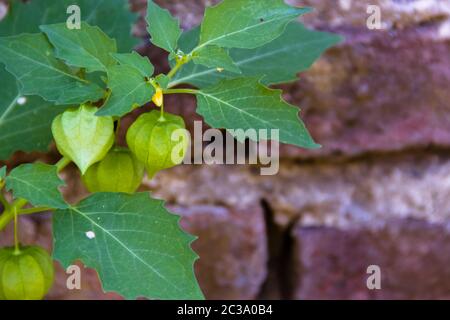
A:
x,y
377,193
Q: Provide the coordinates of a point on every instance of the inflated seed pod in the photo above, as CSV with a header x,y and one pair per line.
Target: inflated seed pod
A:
x,y
83,137
159,142
119,171
25,275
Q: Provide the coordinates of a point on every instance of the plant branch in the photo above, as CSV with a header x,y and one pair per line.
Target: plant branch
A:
x,y
8,214
180,61
34,210
173,91
16,233
3,201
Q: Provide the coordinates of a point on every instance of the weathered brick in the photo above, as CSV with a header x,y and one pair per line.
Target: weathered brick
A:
x,y
331,263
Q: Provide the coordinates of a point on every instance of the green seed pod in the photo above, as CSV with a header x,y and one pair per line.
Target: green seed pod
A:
x,y
119,171
26,275
159,142
83,137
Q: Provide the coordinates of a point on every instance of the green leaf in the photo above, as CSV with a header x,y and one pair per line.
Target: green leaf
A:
x,y
134,59
277,62
134,243
24,121
88,47
112,16
29,57
246,104
215,57
246,23
129,89
163,28
38,183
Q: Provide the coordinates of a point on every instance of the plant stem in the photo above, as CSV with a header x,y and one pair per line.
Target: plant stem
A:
x,y
175,69
180,62
6,218
3,201
16,233
34,210
62,163
8,214
188,91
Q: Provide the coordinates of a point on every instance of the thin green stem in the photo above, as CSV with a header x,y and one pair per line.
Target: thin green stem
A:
x,y
62,163
34,210
16,232
8,214
3,201
173,91
6,218
181,61
175,69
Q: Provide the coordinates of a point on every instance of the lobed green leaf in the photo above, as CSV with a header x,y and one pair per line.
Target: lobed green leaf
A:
x,y
134,243
135,60
163,28
88,47
129,89
112,16
244,103
30,58
38,183
24,120
246,23
276,62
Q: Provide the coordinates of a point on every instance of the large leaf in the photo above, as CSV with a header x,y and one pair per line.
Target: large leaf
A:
x,y
163,28
29,57
38,183
88,47
112,16
277,62
24,121
134,243
246,104
246,23
129,89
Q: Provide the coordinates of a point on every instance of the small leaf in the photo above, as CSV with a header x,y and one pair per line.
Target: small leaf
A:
x,y
215,57
38,183
134,59
88,47
246,23
246,104
83,137
163,28
24,121
276,62
30,58
129,89
2,172
134,243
